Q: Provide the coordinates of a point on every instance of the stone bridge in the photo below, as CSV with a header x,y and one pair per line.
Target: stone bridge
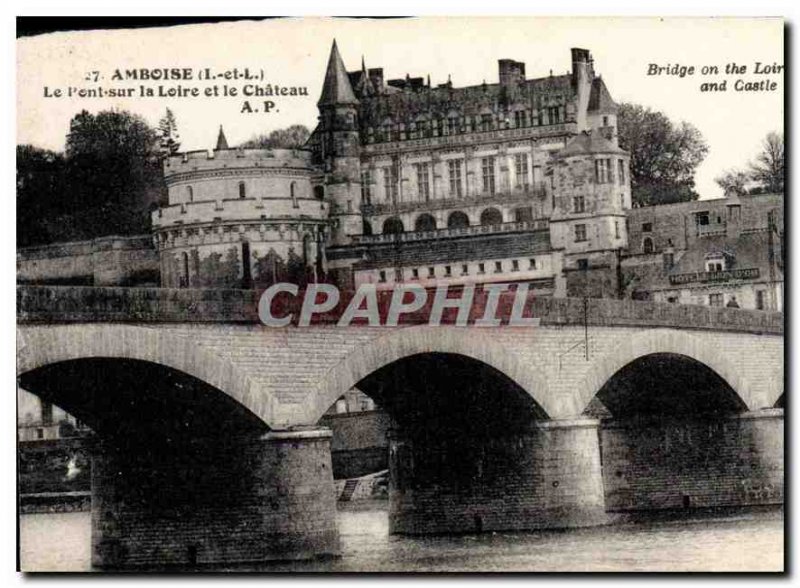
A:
x,y
497,428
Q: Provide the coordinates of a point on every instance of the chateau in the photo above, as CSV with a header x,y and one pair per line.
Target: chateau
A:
x,y
520,182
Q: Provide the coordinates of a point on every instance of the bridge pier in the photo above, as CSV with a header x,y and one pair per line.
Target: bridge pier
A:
x,y
548,476
676,464
247,501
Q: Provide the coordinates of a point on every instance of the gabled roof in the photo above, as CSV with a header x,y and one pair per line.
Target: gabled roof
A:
x,y
600,100
336,89
588,143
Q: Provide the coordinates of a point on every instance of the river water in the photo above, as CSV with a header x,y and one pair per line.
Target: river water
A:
x,y
750,541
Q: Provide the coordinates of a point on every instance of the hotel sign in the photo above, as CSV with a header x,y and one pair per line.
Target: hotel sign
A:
x,y
721,276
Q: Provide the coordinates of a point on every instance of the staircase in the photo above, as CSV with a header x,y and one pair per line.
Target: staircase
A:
x,y
348,490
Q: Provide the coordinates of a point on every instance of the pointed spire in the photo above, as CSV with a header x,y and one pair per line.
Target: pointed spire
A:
x,y
429,80
336,88
222,142
364,85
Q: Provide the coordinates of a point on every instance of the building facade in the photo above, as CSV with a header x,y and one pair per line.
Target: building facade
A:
x,y
521,181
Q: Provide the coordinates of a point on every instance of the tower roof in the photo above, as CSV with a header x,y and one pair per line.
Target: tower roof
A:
x,y
588,142
336,88
222,142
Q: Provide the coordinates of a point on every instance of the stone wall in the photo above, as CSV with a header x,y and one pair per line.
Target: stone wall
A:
x,y
732,462
547,478
359,445
209,504
107,261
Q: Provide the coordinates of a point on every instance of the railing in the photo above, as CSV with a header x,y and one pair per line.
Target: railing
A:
x,y
71,304
513,227
236,209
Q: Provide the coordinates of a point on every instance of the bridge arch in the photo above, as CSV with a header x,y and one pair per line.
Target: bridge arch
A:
x,y
39,347
653,342
403,343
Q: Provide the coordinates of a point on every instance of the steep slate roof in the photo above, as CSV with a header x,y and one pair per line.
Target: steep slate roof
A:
x,y
336,89
600,100
222,142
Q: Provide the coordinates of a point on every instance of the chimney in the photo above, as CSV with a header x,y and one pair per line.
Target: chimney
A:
x,y
582,76
511,72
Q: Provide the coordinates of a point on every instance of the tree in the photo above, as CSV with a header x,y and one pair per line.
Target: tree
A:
x,y
41,185
114,166
292,137
768,168
664,155
168,135
734,181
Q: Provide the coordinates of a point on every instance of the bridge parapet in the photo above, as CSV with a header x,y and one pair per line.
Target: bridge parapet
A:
x,y
70,304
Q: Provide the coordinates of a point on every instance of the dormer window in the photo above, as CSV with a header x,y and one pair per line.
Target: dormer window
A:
x,y
715,263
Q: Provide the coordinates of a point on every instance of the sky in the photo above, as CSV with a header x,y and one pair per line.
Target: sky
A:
x,y
294,52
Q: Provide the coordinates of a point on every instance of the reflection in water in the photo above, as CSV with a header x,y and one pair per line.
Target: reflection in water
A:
x,y
749,541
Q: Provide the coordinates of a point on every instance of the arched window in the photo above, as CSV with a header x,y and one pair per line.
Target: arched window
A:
x,y
425,222
293,195
457,220
242,190
491,216
190,193
393,226
647,245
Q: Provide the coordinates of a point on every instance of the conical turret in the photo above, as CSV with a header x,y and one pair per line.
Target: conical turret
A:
x,y
222,142
336,89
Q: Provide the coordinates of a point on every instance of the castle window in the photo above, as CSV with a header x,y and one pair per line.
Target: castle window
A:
x,y
605,121
580,233
498,267
553,115
382,276
486,122
448,271
425,222
647,245
521,169
716,299
366,187
481,268
393,226
540,117
398,274
390,181
701,218
602,171
583,264
454,170
415,274
616,229
487,167
247,278
319,192
491,216
293,195
514,265
423,181
621,170
715,264
457,220
520,119
439,127
532,264
242,190
190,193
578,204
431,272
464,269
452,125
647,227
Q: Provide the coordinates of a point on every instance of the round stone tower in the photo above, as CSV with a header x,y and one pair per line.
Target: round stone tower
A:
x,y
239,218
